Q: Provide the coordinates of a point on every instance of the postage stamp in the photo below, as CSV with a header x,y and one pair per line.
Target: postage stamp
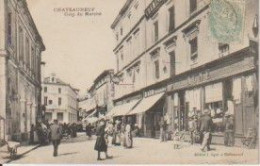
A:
x,y
226,20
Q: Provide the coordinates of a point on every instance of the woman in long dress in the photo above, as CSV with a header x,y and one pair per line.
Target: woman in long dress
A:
x,y
128,134
117,133
101,145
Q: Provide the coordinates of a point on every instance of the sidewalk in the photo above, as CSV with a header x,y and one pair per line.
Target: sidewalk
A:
x,y
22,150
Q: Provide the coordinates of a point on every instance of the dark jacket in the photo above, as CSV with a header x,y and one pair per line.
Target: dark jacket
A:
x,y
206,124
56,132
101,142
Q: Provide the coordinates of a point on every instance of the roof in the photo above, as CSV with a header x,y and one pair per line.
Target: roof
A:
x,y
103,74
59,82
121,13
99,77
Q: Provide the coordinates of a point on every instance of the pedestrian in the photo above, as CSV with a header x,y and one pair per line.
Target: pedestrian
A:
x,y
229,130
206,129
32,134
192,129
88,130
163,127
122,132
56,135
128,134
117,133
109,132
101,145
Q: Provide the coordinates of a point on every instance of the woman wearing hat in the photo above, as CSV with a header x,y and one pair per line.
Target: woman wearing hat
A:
x,y
101,145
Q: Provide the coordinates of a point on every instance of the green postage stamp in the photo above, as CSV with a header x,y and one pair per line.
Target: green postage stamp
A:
x,y
226,20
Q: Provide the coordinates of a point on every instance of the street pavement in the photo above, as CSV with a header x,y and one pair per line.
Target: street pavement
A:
x,y
145,151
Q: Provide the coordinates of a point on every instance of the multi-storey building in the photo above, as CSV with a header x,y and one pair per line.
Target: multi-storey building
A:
x,y
171,65
100,95
20,73
60,100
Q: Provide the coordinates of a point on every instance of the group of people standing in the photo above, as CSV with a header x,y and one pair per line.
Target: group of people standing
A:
x,y
201,128
116,134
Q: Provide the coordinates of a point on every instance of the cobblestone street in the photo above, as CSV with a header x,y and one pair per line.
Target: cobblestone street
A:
x,y
145,151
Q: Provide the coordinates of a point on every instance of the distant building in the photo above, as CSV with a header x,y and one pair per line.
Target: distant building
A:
x,y
20,73
100,95
60,100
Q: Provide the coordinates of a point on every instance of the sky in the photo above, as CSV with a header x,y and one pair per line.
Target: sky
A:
x,y
78,48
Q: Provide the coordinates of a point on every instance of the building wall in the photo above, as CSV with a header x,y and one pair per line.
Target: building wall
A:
x,y
68,105
145,71
21,47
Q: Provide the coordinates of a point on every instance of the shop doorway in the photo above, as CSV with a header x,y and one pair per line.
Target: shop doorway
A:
x,y
182,112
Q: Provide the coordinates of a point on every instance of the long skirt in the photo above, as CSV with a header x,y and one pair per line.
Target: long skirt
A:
x,y
118,139
128,140
123,141
101,144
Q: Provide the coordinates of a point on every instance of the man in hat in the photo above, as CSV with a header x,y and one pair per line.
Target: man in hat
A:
x,y
229,130
206,129
56,133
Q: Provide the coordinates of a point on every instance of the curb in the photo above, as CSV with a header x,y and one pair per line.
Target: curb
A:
x,y
28,151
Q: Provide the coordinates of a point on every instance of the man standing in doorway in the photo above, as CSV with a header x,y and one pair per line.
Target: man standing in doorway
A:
x,y
56,133
206,128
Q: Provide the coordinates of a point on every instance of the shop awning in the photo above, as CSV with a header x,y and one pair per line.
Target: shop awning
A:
x,y
123,109
146,104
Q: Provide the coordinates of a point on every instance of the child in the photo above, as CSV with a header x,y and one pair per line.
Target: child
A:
x,y
177,137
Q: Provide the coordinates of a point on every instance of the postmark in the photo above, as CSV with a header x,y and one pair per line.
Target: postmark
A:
x,y
226,20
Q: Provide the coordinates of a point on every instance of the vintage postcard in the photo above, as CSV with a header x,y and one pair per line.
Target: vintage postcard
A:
x,y
129,82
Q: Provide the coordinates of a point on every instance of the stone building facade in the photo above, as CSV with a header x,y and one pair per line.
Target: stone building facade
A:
x,y
60,100
20,75
171,65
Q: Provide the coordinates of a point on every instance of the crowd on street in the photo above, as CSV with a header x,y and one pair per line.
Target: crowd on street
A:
x,y
111,132
41,132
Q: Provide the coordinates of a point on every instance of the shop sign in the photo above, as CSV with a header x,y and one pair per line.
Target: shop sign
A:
x,y
225,69
153,7
154,91
197,78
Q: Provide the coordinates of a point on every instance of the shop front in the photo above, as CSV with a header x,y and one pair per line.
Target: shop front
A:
x,y
148,114
227,86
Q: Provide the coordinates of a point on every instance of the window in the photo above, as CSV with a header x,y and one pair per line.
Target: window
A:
x,y
122,55
121,31
193,5
116,36
59,90
9,29
27,52
50,102
194,49
60,116
59,101
156,33
171,19
136,44
172,65
21,46
45,89
129,47
45,100
223,49
52,79
157,69
32,58
48,116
